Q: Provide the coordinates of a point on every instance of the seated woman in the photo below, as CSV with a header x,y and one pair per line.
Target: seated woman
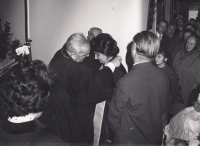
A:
x,y
105,49
24,93
184,127
187,67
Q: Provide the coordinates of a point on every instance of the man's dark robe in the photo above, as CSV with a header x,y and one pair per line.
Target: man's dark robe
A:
x,y
70,109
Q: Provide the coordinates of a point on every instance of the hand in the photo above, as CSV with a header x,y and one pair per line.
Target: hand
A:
x,y
22,50
198,99
116,61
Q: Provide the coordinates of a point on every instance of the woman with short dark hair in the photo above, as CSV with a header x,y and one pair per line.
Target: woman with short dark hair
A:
x,y
24,93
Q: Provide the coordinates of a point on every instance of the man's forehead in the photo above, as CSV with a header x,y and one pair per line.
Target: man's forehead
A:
x,y
163,24
95,32
171,26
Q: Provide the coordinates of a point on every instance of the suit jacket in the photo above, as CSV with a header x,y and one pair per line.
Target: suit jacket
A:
x,y
137,105
28,133
174,41
165,42
70,110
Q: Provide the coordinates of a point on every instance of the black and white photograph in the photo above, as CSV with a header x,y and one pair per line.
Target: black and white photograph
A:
x,y
99,72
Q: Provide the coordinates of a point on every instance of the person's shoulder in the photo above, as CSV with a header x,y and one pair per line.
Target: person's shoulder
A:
x,y
175,38
169,70
179,53
47,137
126,79
166,37
121,69
159,73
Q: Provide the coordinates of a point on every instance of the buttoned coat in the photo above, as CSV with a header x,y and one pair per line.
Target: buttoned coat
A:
x,y
137,105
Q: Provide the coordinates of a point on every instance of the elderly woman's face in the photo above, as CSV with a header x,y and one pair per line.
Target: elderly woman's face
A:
x,y
190,44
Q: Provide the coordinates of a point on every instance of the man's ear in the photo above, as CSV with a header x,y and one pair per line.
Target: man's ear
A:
x,y
73,55
165,59
133,47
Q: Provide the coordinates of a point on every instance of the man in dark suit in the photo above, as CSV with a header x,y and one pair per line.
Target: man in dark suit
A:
x,y
180,22
174,40
140,97
70,109
164,39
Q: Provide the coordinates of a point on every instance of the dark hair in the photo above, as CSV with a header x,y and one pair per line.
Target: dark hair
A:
x,y
163,20
163,52
193,20
172,24
188,30
105,44
180,19
191,24
25,89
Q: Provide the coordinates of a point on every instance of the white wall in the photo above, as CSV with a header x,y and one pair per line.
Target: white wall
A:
x,y
193,14
53,21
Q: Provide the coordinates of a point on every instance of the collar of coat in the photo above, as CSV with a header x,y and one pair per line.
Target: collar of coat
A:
x,y
65,54
20,128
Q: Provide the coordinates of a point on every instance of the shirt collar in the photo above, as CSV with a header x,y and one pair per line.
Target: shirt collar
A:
x,y
139,63
159,34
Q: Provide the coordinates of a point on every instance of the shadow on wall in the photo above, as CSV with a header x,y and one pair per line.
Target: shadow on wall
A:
x,y
129,59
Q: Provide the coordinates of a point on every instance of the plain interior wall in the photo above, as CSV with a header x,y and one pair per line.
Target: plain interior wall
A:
x,y
53,21
193,14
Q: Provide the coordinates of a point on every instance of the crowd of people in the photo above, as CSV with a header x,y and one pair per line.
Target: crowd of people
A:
x,y
86,96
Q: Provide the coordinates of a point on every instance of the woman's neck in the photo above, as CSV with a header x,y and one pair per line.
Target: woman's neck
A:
x,y
161,65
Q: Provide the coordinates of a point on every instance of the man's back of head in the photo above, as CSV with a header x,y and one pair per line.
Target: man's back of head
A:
x,y
93,32
145,46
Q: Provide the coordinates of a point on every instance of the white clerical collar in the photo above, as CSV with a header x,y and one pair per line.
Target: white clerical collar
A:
x,y
139,63
27,118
